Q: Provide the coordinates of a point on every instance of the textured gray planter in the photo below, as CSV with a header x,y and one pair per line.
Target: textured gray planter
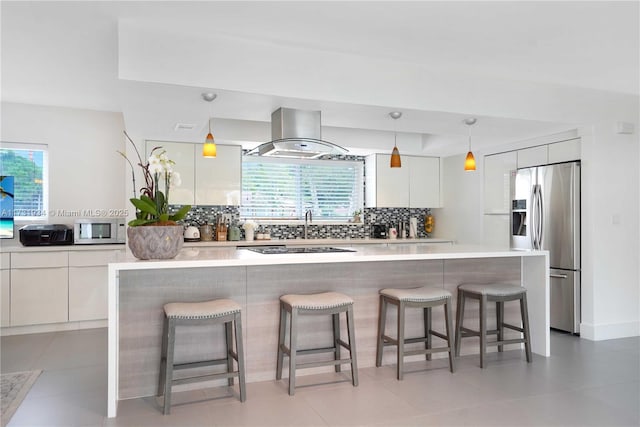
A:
x,y
155,242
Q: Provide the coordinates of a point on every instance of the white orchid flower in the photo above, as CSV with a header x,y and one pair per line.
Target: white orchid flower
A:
x,y
175,180
155,168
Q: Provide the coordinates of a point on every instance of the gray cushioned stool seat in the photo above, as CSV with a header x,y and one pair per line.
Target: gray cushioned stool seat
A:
x,y
201,310
319,301
330,303
426,298
498,290
221,311
498,293
423,294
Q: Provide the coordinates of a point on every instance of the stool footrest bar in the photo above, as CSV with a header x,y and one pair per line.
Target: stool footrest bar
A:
x,y
192,365
322,363
315,351
503,342
202,377
513,327
427,351
439,335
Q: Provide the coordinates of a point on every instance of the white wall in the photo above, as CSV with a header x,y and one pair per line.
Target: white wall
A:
x,y
611,233
610,224
85,171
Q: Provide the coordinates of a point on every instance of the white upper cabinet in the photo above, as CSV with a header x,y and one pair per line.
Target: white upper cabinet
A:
x,y
497,177
534,156
424,182
219,179
205,181
564,151
416,184
496,231
387,187
182,154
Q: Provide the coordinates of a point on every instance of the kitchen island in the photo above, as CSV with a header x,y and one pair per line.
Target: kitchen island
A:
x,y
139,289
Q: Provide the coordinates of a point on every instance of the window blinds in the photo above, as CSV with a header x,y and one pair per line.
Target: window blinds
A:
x,y
281,188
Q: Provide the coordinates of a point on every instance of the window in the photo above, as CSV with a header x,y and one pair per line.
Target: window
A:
x,y
27,164
278,188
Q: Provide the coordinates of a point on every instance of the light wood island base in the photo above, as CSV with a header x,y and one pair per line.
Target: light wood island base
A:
x,y
139,289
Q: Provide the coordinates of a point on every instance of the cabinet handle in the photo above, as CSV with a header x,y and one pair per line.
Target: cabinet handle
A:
x,y
558,276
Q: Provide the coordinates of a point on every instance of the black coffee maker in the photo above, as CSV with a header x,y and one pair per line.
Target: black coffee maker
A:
x,y
379,231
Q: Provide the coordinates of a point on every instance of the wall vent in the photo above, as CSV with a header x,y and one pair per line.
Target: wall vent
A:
x,y
184,126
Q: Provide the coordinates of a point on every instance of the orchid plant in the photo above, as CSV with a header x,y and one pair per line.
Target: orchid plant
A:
x,y
152,207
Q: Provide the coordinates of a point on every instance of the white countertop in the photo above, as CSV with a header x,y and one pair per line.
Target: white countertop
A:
x,y
61,248
193,257
13,247
314,242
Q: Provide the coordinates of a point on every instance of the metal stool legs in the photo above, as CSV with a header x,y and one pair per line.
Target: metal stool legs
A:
x,y
401,340
293,351
484,298
167,366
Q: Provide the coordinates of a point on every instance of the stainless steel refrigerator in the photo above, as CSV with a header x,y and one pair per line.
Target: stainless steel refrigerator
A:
x,y
545,214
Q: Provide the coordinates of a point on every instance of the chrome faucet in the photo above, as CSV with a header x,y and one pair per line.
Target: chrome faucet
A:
x,y
307,217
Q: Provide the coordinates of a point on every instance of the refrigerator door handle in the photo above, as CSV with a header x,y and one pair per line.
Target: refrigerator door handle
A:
x,y
536,220
532,232
540,217
558,276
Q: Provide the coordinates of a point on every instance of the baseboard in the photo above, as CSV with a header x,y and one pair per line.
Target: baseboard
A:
x,y
609,331
52,327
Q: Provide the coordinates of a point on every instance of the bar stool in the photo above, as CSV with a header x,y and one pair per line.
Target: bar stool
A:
x,y
498,293
425,298
210,312
332,303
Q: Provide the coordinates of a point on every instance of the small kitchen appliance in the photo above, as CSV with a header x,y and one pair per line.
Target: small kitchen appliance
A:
x,y
46,235
206,232
191,234
379,231
99,231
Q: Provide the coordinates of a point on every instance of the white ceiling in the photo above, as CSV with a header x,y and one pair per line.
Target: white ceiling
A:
x,y
66,54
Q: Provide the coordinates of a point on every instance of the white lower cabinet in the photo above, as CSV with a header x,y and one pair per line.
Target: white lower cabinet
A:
x,y
55,286
5,289
39,291
88,291
5,297
39,295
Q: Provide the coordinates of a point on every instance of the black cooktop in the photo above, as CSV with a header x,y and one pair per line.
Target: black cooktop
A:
x,y
296,250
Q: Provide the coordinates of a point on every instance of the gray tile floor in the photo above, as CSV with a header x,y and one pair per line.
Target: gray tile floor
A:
x,y
582,383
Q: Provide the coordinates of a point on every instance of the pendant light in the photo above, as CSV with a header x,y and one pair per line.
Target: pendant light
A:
x,y
209,148
396,162
470,161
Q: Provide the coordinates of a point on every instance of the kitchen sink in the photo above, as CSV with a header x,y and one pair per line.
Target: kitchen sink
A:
x,y
297,250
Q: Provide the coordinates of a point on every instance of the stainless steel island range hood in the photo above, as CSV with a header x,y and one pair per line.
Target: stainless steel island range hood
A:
x,y
296,133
